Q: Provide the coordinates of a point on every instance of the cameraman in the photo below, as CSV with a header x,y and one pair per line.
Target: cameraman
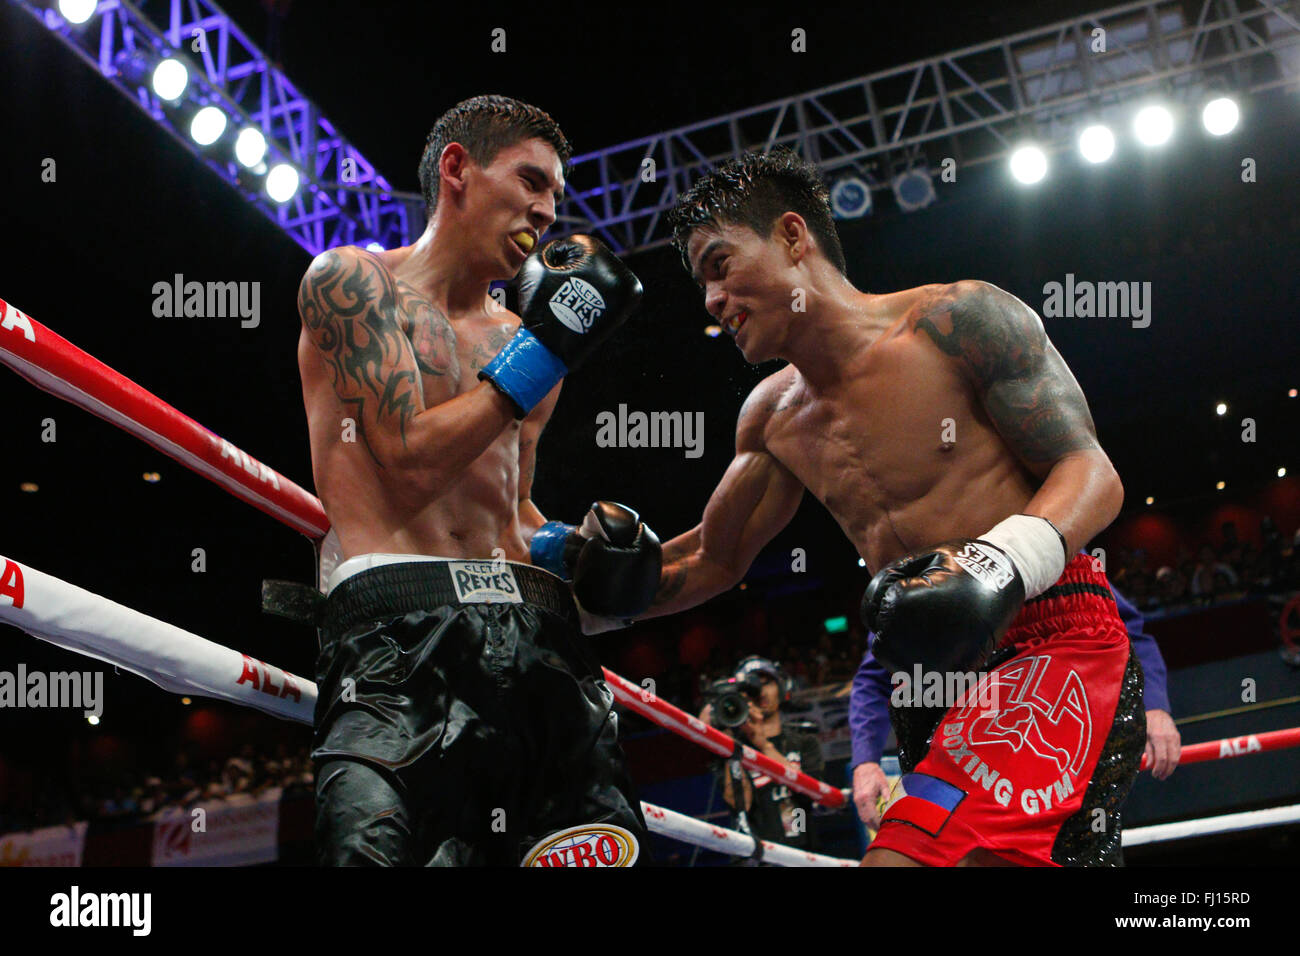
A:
x,y
774,812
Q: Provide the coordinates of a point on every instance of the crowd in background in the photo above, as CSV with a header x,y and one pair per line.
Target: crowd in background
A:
x,y
130,798
1232,570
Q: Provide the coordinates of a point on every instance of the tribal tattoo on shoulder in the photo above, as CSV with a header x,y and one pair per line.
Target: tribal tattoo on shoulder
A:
x,y
1027,389
352,309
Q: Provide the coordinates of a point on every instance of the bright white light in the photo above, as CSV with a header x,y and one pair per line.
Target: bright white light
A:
x,y
374,247
250,146
170,79
1281,472
207,126
282,182
1220,409
77,11
92,720
862,562
1220,116
1097,143
1028,164
1153,126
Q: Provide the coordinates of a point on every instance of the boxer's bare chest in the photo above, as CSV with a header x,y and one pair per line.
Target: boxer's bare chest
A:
x,y
901,419
449,354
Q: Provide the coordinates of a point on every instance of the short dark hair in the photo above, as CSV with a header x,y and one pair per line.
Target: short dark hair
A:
x,y
755,190
485,125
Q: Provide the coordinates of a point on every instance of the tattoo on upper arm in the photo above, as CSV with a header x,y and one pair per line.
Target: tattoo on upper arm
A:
x,y
671,582
350,309
1026,387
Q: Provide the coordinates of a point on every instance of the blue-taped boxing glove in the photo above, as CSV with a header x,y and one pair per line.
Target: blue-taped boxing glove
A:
x,y
573,293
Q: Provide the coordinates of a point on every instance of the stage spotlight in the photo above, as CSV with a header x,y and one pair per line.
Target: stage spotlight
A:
x,y
92,719
250,147
1028,165
207,126
1221,409
913,190
282,182
170,79
1220,116
850,198
1281,472
1153,125
1097,143
77,11
1220,486
1150,500
374,247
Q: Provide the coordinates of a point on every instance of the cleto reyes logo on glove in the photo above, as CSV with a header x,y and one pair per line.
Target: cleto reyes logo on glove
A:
x,y
990,567
577,304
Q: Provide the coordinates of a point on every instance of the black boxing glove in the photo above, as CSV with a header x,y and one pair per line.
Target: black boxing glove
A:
x,y
944,610
573,293
613,558
948,608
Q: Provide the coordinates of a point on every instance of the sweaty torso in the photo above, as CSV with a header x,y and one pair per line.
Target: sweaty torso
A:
x,y
476,512
900,451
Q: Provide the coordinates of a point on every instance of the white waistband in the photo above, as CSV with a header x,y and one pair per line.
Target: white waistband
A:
x,y
364,562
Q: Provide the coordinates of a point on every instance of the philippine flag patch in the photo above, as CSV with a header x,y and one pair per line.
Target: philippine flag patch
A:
x,y
925,802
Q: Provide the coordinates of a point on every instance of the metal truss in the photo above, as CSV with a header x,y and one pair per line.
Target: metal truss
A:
x,y
972,105
342,199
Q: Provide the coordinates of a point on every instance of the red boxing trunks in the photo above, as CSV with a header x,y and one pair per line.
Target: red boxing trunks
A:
x,y
1035,764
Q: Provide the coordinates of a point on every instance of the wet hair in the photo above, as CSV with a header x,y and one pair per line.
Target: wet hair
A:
x,y
485,125
755,190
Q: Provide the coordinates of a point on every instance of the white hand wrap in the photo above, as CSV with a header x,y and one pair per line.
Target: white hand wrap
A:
x,y
1035,547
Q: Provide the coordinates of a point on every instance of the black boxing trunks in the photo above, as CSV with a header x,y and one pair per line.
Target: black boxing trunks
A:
x,y
1035,764
461,720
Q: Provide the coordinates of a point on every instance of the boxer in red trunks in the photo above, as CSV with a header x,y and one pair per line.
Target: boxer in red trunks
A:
x,y
946,435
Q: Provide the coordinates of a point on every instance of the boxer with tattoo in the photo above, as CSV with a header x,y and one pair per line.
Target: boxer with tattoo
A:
x,y
462,718
945,434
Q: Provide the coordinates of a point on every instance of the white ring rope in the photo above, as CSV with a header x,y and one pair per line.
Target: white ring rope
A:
x,y
176,660
1228,823
690,830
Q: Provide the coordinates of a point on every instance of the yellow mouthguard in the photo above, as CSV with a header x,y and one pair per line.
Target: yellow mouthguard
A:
x,y
525,240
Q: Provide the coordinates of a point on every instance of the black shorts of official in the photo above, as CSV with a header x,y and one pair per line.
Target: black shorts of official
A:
x,y
455,734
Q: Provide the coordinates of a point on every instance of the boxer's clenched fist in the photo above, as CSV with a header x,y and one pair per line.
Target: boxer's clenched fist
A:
x,y
613,559
573,294
943,610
